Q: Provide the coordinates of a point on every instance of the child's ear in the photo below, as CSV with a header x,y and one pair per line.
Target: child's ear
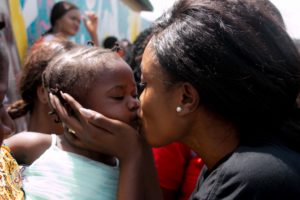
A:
x,y
42,94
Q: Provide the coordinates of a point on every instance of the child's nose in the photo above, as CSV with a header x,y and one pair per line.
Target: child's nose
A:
x,y
134,104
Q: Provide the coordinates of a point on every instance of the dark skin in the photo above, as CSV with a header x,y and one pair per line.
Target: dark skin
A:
x,y
135,166
211,137
117,90
6,125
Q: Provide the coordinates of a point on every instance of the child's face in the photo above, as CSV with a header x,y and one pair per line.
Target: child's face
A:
x,y
115,94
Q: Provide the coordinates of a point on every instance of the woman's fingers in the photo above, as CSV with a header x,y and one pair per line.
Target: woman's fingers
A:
x,y
73,139
91,16
100,121
71,121
95,131
71,101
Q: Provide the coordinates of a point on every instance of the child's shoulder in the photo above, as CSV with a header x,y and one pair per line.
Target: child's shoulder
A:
x,y
28,146
29,138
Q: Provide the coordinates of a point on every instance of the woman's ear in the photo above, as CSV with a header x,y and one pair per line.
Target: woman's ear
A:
x,y
42,94
189,101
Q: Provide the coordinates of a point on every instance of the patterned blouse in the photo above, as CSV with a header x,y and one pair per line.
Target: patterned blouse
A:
x,y
10,178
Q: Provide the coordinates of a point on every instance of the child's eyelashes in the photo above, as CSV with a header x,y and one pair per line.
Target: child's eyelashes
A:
x,y
119,98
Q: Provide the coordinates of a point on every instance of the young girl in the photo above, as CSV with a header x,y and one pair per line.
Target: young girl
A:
x,y
100,80
34,102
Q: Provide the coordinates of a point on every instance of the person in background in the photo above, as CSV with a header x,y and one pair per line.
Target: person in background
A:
x,y
10,179
125,49
65,20
222,77
109,42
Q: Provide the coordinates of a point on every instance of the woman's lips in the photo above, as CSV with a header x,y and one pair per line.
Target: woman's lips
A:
x,y
135,123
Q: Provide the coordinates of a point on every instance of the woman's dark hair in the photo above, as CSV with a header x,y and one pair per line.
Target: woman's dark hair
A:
x,y
31,77
240,59
138,48
58,11
76,72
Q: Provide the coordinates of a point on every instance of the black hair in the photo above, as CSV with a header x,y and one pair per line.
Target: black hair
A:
x,y
240,59
58,11
31,77
109,42
138,48
76,71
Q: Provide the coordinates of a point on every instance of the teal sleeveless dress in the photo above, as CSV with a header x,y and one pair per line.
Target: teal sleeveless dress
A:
x,y
61,175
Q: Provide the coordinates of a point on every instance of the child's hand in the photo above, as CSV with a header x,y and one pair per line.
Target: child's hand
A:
x,y
91,22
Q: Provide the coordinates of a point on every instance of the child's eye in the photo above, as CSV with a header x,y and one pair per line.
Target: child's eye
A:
x,y
140,87
118,98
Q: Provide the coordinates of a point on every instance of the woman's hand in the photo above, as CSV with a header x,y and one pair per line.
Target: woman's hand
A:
x,y
98,133
91,24
138,178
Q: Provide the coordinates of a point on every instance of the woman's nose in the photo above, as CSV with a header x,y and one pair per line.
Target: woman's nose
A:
x,y
133,104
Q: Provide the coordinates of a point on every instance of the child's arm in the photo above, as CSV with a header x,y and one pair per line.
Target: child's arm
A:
x,y
26,147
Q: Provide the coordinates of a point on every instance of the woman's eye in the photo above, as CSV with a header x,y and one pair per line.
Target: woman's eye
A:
x,y
141,86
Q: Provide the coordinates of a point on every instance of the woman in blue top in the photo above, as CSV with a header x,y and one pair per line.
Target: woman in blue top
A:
x,y
221,76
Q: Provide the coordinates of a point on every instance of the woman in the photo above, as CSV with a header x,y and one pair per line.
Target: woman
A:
x,y
222,77
65,20
177,166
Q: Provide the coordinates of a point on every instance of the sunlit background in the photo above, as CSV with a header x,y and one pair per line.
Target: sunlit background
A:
x,y
290,10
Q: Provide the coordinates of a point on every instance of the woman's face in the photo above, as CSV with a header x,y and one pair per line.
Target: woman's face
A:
x,y
158,102
69,23
115,94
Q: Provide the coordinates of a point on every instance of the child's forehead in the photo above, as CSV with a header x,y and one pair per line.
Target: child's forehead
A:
x,y
115,64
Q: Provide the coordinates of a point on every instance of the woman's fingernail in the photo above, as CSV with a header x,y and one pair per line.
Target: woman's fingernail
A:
x,y
88,113
62,95
51,99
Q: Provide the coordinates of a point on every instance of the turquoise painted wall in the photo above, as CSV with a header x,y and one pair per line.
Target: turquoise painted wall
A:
x,y
115,18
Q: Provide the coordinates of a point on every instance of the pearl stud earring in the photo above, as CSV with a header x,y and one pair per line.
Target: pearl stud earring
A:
x,y
178,109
